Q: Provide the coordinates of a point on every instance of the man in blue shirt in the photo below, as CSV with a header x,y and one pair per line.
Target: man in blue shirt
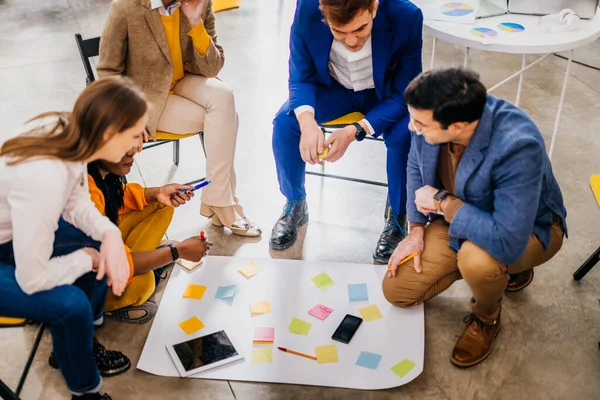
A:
x,y
346,56
483,203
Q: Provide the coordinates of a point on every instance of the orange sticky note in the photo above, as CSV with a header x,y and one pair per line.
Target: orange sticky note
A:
x,y
191,325
194,292
249,270
260,307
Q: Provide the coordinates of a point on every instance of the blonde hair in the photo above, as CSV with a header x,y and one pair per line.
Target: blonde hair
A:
x,y
110,105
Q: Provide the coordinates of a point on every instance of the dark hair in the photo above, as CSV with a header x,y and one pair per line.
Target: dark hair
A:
x,y
107,106
112,189
342,12
454,95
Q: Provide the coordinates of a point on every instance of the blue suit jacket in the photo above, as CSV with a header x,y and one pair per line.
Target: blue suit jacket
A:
x,y
397,44
505,179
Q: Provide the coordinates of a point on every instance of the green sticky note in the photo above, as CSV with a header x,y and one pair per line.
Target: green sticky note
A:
x,y
300,327
323,281
403,367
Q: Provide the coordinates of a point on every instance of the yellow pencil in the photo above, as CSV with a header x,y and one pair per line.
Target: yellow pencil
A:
x,y
406,259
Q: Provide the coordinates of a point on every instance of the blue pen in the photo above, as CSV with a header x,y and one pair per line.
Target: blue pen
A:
x,y
198,186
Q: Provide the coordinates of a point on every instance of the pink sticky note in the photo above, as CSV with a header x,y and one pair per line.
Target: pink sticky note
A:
x,y
264,335
320,311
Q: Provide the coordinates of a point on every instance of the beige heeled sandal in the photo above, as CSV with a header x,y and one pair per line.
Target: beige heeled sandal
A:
x,y
241,226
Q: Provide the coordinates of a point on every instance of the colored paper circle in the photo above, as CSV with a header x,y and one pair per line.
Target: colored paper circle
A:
x,y
456,9
484,32
511,27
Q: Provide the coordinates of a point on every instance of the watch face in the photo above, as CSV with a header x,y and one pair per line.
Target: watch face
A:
x,y
360,134
439,196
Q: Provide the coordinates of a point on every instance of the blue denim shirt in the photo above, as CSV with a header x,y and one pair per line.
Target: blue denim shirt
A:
x,y
505,179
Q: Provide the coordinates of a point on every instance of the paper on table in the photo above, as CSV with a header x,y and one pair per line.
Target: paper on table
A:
x,y
370,313
300,327
249,270
403,367
358,292
320,311
323,281
260,307
191,325
326,354
262,355
194,292
189,265
368,360
226,292
264,335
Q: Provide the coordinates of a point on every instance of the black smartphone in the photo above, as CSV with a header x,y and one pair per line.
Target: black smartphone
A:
x,y
347,328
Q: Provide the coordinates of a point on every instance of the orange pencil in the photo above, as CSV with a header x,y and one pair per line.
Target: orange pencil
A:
x,y
406,259
296,353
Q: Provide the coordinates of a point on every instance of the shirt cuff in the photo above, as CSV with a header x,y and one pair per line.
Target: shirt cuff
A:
x,y
200,38
301,109
450,206
370,129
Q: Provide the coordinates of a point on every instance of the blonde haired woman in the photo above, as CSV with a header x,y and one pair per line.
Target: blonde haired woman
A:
x,y
57,252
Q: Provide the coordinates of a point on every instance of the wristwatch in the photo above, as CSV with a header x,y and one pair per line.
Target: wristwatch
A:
x,y
439,197
361,133
174,251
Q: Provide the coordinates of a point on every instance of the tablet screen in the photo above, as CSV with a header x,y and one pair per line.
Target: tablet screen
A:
x,y
205,350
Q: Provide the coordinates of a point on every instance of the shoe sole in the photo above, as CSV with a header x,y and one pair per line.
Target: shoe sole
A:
x,y
292,241
518,289
381,260
104,374
471,364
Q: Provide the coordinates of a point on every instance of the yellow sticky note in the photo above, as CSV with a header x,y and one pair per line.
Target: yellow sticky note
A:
x,y
189,265
194,292
324,153
326,354
262,355
370,313
191,325
249,270
260,307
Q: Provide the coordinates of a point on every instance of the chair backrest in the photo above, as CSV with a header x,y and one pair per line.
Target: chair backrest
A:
x,y
88,48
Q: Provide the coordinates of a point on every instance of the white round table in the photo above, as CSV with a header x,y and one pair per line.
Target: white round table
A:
x,y
530,41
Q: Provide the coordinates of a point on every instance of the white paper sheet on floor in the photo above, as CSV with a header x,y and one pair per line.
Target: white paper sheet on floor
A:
x,y
287,285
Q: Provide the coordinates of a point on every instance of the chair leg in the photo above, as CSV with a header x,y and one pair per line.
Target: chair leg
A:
x,y
201,136
34,350
6,393
176,152
587,265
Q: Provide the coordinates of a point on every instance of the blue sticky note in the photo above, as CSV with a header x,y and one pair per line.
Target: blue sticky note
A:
x,y
368,360
226,292
358,292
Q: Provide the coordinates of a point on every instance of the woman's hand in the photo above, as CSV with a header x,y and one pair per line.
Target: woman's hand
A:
x,y
113,262
193,10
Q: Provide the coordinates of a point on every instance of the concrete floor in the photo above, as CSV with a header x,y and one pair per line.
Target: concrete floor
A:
x,y
548,347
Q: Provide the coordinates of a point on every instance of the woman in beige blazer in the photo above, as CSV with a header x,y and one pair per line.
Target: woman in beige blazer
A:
x,y
170,50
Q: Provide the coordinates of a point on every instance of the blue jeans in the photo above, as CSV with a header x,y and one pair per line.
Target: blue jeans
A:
x,y
69,310
334,102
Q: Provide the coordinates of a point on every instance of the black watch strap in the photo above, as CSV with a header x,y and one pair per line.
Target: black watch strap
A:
x,y
361,133
174,251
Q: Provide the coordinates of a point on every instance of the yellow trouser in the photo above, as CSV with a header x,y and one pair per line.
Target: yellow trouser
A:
x,y
142,231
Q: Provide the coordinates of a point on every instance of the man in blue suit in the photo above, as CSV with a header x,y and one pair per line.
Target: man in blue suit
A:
x,y
481,163
346,56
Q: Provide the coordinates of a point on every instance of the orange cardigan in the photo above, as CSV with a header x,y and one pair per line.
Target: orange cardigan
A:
x,y
134,200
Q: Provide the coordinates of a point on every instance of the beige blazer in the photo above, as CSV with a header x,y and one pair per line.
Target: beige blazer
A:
x,y
134,44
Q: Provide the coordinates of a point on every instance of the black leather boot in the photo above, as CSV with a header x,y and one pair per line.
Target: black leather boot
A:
x,y
285,231
396,229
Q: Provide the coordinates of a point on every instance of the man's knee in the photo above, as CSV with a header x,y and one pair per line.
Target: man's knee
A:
x,y
284,125
398,135
397,293
477,265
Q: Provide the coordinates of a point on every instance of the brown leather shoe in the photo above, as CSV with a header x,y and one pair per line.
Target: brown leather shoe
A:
x,y
519,281
475,344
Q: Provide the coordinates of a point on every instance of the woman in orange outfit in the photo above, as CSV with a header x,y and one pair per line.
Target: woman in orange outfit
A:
x,y
143,216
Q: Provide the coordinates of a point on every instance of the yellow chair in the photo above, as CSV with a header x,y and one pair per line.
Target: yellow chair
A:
x,y
338,123
89,48
595,257
223,5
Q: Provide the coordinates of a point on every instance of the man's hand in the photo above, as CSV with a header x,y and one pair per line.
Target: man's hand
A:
x,y
339,141
194,248
424,200
412,243
193,10
170,195
311,138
